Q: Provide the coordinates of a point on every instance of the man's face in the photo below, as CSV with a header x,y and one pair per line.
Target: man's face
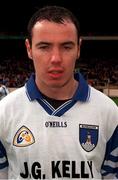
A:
x,y
54,52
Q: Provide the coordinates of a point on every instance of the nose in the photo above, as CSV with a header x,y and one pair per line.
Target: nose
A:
x,y
56,56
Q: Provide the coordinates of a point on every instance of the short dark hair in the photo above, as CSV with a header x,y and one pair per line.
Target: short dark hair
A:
x,y
55,14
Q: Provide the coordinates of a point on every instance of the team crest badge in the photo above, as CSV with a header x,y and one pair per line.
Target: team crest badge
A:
x,y
88,136
23,137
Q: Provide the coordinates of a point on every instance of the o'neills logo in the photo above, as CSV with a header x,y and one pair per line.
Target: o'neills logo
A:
x,y
56,124
23,137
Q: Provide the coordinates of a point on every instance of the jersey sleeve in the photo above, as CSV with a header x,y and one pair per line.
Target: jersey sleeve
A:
x,y
3,157
3,154
110,164
3,163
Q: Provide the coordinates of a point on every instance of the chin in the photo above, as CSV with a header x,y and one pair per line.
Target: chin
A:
x,y
56,85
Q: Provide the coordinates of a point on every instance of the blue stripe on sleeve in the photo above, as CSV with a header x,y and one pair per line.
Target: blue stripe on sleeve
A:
x,y
110,164
3,157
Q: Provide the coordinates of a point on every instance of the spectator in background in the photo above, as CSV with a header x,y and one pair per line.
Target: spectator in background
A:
x,y
3,91
57,126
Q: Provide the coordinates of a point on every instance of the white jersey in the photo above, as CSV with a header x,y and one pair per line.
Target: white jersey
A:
x,y
3,91
78,140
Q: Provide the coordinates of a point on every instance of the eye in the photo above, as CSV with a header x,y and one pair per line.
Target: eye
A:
x,y
43,47
67,47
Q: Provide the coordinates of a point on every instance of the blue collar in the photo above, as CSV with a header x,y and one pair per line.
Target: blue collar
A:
x,y
81,94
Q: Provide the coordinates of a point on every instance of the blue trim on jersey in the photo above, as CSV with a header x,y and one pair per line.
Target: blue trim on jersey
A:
x,y
81,94
3,157
111,156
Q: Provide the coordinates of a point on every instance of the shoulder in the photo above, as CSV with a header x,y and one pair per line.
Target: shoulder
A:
x,y
99,97
106,109
13,97
103,104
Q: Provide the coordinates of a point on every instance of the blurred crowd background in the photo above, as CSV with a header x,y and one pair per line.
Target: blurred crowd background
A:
x,y
99,30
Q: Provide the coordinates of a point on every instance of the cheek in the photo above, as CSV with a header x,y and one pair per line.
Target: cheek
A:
x,y
71,62
40,66
70,68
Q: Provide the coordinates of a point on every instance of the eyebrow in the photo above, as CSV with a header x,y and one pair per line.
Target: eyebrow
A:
x,y
48,43
68,43
42,43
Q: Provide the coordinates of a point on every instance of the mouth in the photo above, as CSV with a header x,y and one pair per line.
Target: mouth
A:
x,y
55,73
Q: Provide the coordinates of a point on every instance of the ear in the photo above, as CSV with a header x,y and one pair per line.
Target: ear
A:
x,y
79,46
28,47
80,41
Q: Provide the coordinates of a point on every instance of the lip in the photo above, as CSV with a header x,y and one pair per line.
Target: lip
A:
x,y
55,73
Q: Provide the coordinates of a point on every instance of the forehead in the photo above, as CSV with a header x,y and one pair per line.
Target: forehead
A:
x,y
47,29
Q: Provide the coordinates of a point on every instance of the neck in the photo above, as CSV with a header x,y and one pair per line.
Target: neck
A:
x,y
59,93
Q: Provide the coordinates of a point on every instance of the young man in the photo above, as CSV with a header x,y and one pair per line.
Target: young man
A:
x,y
57,126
